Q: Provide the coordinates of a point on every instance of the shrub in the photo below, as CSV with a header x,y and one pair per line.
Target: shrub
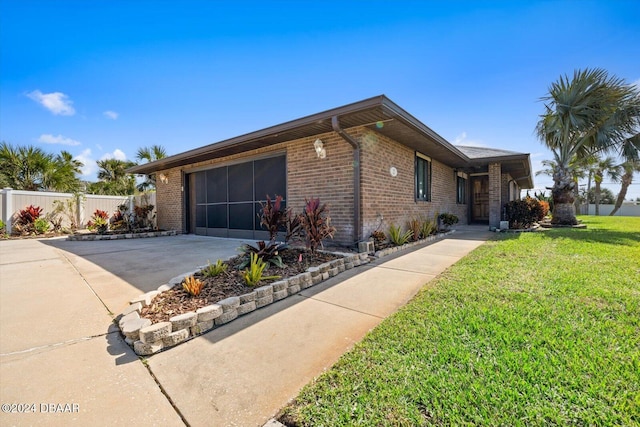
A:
x,y
25,221
41,225
523,213
448,219
428,228
415,225
316,223
293,226
192,286
268,252
212,270
3,228
99,222
253,274
141,217
397,237
273,217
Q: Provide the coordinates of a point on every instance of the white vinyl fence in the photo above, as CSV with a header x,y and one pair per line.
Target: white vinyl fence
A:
x,y
625,210
12,201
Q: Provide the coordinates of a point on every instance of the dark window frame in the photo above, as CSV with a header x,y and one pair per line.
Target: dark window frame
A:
x,y
461,190
422,177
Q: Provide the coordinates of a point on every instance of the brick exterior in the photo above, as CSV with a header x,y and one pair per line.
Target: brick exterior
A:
x,y
495,194
394,197
331,179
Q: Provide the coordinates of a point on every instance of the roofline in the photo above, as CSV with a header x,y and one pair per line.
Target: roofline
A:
x,y
262,133
388,107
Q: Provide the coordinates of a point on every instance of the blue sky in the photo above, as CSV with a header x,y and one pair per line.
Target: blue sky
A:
x,y
103,78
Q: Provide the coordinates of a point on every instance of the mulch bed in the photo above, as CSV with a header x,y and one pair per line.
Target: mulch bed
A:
x,y
229,284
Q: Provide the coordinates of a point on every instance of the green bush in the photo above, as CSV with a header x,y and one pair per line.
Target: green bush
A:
x,y
523,213
41,226
397,237
448,219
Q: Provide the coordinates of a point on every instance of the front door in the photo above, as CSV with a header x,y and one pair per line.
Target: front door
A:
x,y
480,199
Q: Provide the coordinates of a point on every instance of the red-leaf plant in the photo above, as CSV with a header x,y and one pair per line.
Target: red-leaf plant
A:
x,y
273,217
316,223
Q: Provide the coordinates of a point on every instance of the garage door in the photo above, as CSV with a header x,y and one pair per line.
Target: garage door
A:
x,y
226,200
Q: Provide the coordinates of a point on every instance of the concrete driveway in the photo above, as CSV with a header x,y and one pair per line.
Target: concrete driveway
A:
x,y
58,345
62,362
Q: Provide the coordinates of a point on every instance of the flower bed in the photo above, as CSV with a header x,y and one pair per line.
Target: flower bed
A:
x,y
147,337
150,330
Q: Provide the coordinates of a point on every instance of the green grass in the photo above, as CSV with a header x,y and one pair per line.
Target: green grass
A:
x,y
529,329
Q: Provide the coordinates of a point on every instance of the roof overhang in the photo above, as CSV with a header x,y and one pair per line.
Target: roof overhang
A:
x,y
378,114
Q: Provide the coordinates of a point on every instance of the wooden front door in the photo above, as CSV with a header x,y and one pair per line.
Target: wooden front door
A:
x,y
480,199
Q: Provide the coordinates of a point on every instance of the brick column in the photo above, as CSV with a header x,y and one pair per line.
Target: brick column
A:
x,y
495,194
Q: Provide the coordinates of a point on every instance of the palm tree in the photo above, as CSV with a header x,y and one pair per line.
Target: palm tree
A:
x,y
150,154
62,173
606,166
591,113
627,177
578,171
113,178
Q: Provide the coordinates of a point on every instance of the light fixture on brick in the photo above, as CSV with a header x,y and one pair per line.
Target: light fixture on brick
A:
x,y
320,150
163,178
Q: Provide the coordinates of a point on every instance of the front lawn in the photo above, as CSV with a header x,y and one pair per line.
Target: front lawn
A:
x,y
529,329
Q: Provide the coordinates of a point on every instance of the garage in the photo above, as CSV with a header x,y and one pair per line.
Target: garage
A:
x,y
225,201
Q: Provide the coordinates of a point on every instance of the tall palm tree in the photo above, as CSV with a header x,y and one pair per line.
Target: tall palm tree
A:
x,y
590,113
113,178
150,154
629,169
578,172
608,167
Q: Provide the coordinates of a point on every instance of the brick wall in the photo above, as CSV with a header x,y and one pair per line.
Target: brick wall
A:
x,y
170,200
495,194
394,197
331,179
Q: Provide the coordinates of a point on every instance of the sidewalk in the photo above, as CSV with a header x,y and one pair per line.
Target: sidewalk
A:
x,y
243,373
57,345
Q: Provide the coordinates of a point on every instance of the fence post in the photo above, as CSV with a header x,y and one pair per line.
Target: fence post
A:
x,y
80,197
7,209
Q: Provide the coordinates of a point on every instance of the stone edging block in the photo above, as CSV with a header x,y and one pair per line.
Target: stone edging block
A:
x,y
122,236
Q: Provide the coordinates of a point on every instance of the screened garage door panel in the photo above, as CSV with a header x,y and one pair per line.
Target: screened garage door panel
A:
x,y
227,199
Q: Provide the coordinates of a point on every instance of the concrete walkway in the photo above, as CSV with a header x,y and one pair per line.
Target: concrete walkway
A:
x,y
57,345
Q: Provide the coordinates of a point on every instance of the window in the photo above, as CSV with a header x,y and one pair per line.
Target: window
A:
x,y
461,195
423,177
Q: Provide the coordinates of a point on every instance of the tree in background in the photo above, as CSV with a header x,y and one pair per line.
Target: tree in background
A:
x,y
150,154
606,196
602,167
629,169
32,169
590,113
113,178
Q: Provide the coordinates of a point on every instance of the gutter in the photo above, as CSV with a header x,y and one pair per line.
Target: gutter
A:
x,y
335,124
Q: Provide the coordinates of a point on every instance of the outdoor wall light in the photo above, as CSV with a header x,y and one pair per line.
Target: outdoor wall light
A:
x,y
163,178
320,150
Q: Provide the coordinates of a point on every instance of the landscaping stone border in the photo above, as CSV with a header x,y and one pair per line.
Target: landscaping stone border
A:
x,y
120,236
147,338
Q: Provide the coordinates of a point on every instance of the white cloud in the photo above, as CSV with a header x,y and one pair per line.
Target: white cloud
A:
x,y
462,140
117,154
56,102
90,167
111,115
47,138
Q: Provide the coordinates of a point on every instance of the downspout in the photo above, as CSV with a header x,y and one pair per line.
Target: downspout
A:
x,y
356,176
